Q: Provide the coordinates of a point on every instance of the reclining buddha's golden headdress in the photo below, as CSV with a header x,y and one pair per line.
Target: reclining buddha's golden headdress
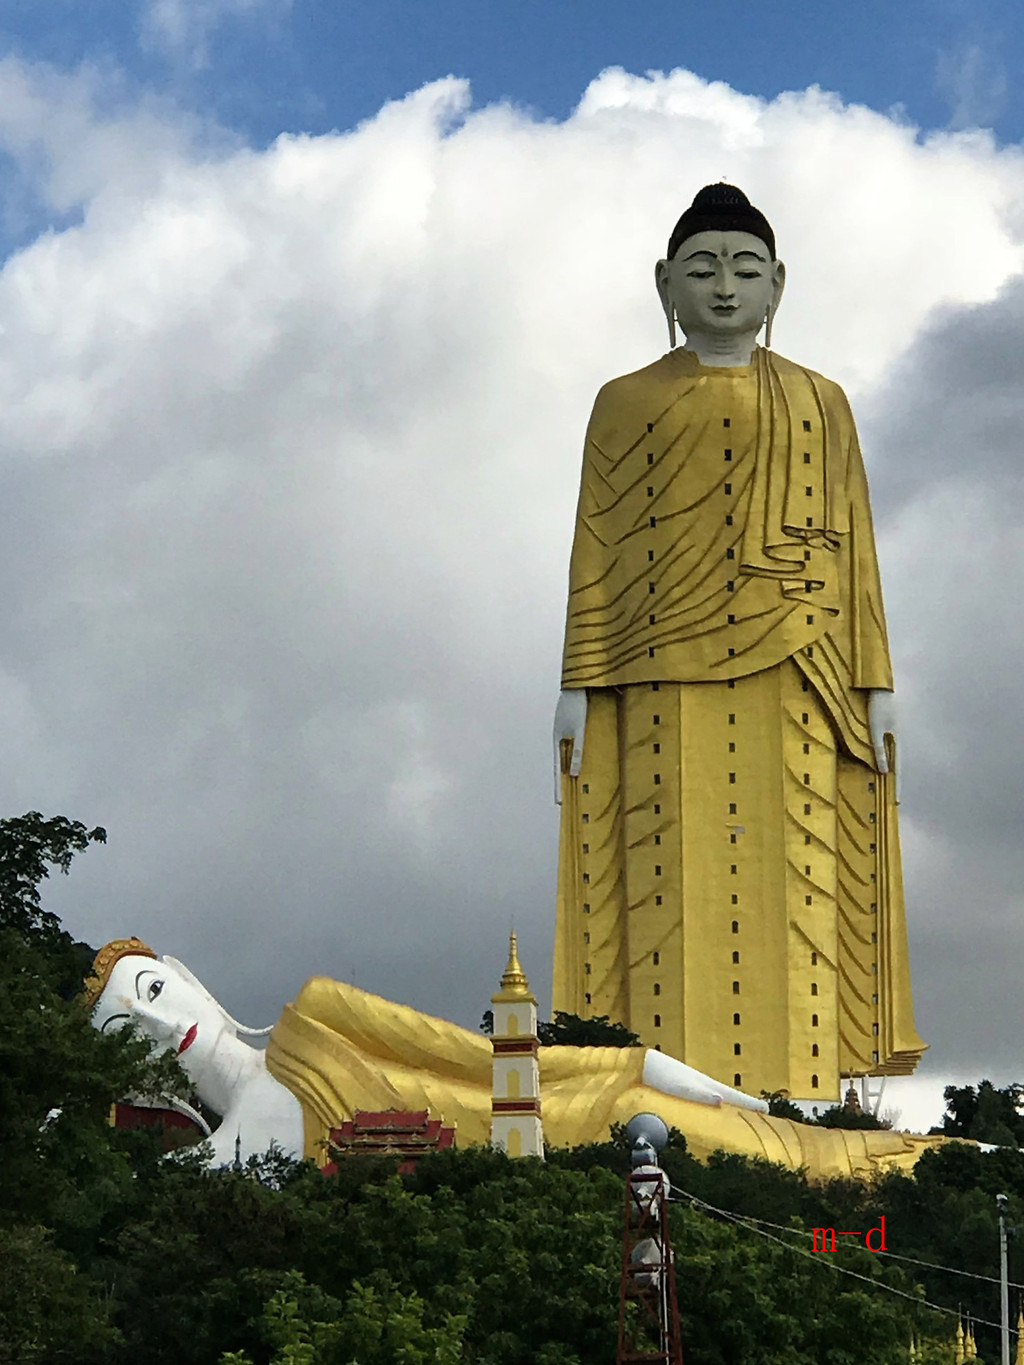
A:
x,y
106,959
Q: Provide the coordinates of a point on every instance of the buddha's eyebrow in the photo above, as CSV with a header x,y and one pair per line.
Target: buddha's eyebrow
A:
x,y
694,254
111,1020
748,252
146,971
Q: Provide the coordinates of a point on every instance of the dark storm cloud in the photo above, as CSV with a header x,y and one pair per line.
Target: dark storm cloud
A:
x,y
947,466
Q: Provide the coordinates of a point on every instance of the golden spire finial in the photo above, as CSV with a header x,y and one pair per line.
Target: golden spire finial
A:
x,y
959,1354
1020,1338
970,1345
514,975
514,985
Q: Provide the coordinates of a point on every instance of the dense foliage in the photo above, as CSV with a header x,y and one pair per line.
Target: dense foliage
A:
x,y
836,1116
572,1030
111,1253
985,1114
63,1171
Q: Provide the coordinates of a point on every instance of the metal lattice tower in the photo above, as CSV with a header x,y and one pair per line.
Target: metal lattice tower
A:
x,y
648,1306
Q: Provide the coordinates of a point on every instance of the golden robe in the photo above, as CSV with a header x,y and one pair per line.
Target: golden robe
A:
x,y
729,873
339,1049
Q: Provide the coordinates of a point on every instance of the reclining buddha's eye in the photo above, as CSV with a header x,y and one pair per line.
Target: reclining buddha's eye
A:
x,y
153,990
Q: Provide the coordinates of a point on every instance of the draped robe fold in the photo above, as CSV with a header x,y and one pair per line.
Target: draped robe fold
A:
x,y
339,1049
729,872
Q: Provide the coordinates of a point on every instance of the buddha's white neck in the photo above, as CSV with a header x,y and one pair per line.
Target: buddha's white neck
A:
x,y
728,352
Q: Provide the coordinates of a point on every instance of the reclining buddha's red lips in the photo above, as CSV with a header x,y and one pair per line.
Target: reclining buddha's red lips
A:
x,y
188,1039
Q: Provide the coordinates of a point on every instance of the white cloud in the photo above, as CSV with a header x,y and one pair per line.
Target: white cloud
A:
x,y
972,77
86,138
289,445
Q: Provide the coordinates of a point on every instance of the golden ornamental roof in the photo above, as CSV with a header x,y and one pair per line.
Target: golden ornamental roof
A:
x,y
514,985
106,960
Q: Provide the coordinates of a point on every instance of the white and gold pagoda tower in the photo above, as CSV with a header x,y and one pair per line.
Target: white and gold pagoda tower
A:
x,y
515,1104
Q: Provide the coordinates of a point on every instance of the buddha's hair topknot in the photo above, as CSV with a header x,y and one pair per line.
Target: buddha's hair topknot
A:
x,y
724,208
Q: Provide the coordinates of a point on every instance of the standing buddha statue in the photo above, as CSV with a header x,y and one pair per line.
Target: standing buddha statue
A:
x,y
729,872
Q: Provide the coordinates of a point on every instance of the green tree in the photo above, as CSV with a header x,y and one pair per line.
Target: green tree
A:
x,y
780,1106
29,846
48,1309
58,1075
375,1325
64,1168
572,1030
836,1116
985,1113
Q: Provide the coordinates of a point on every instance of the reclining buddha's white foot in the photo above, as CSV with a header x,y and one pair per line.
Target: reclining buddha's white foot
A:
x,y
672,1077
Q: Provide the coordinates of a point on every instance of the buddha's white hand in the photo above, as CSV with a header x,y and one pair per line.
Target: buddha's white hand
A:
x,y
570,723
882,721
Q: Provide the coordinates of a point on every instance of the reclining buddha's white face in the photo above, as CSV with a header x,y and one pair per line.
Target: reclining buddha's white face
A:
x,y
165,1002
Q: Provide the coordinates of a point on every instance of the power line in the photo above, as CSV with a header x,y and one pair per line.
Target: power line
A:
x,y
741,1221
893,1255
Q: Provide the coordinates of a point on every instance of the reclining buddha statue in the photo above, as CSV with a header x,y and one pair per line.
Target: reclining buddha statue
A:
x,y
338,1049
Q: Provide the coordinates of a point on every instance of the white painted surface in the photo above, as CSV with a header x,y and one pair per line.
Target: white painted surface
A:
x,y
167,1003
673,1077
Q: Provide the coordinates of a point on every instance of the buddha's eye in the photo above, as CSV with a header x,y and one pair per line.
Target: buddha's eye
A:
x,y
153,990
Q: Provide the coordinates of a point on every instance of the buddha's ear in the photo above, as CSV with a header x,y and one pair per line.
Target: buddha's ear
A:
x,y
181,970
661,283
778,284
186,975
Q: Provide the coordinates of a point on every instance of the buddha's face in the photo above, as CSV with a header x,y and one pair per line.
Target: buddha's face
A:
x,y
721,283
167,1007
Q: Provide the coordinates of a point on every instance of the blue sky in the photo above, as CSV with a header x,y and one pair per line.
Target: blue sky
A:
x,y
267,66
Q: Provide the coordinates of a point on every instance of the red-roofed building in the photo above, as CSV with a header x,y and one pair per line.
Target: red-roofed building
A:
x,y
409,1134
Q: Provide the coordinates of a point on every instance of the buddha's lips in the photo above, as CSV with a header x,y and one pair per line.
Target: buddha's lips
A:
x,y
188,1039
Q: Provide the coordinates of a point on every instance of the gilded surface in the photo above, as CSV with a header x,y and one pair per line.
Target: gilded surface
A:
x,y
339,1049
729,879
